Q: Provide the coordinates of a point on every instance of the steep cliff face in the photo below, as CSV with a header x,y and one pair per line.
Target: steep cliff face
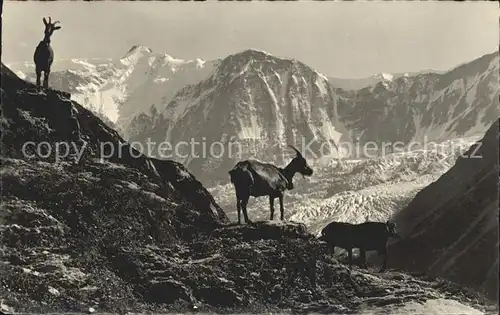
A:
x,y
256,99
450,229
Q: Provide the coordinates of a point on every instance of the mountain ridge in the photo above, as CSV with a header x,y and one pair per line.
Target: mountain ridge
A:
x,y
157,96
107,95
130,233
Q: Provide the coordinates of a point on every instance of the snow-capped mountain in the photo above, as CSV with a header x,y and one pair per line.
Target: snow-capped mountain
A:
x,y
359,83
124,87
266,102
262,101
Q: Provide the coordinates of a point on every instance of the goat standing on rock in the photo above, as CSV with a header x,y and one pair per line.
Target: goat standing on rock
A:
x,y
365,236
44,55
254,178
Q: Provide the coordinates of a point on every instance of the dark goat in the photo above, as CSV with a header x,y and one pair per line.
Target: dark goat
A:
x,y
365,236
44,55
254,178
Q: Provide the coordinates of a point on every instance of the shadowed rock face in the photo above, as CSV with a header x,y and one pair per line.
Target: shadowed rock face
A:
x,y
450,229
265,103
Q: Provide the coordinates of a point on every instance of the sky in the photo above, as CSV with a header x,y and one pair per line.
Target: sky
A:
x,y
339,39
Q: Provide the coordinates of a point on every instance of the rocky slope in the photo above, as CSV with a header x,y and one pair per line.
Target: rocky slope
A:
x,y
52,118
450,229
59,218
131,233
355,190
260,101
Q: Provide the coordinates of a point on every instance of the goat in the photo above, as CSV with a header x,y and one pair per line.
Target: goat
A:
x,y
44,55
365,236
255,178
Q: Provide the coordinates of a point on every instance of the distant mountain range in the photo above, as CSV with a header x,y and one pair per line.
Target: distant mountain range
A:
x,y
265,102
124,87
450,229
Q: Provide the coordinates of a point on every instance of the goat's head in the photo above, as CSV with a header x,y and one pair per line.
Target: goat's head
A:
x,y
299,163
391,229
50,27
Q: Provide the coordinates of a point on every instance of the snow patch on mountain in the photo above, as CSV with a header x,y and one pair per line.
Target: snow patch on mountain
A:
x,y
321,83
249,129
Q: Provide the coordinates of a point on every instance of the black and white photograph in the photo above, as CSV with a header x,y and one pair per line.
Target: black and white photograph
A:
x,y
249,157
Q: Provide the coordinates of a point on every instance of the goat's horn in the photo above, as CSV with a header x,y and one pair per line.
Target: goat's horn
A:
x,y
50,20
56,22
297,151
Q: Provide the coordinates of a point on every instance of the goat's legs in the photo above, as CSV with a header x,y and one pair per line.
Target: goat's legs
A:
x,y
238,207
38,75
46,79
271,207
362,258
383,251
244,203
282,210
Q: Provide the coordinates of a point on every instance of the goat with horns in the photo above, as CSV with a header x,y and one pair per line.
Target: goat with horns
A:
x,y
254,178
44,55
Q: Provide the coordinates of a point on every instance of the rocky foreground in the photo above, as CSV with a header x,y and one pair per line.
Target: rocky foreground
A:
x,y
58,258
142,235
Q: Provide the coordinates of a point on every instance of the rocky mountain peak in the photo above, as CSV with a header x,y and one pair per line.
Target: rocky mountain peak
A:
x,y
138,48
